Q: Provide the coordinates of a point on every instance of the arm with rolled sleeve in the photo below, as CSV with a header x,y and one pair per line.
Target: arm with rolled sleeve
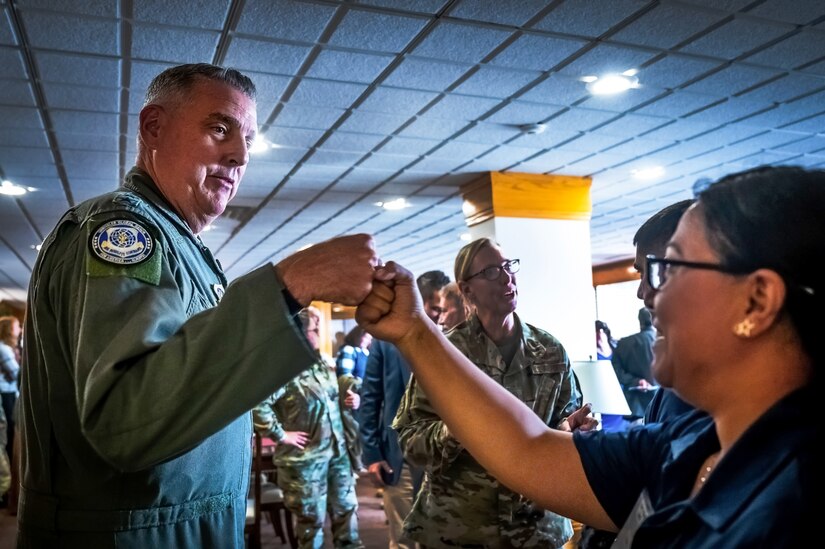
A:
x,y
265,419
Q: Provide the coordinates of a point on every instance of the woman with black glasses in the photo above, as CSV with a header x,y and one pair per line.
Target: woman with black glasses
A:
x,y
738,309
460,504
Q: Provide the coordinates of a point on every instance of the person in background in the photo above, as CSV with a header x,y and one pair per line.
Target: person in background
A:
x,y
454,307
460,503
385,380
314,468
141,365
352,357
350,366
9,374
737,308
651,239
631,362
605,344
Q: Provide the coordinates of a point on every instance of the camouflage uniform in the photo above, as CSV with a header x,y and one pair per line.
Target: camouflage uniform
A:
x,y
318,478
352,431
460,504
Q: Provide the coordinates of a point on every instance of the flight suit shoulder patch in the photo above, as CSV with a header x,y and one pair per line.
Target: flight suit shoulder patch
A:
x,y
123,247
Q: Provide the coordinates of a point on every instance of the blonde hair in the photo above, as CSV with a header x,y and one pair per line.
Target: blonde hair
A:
x,y
6,335
464,259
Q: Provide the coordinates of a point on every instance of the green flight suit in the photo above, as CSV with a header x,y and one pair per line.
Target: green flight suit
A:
x,y
460,504
138,385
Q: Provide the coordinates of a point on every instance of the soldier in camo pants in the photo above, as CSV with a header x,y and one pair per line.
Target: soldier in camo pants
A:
x,y
314,468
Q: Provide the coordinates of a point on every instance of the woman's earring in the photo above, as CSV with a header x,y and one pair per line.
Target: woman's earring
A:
x,y
743,329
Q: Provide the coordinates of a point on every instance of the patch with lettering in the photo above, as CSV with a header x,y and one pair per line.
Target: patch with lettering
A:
x,y
122,242
124,247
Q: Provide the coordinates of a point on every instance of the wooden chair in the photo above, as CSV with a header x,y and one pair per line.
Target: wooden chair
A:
x,y
267,499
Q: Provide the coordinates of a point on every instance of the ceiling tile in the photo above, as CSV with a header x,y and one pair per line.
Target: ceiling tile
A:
x,y
736,38
732,80
667,25
16,93
494,82
254,55
153,43
348,66
493,11
284,19
460,42
798,12
72,33
324,93
540,53
367,30
425,74
590,18
202,14
605,59
460,107
792,52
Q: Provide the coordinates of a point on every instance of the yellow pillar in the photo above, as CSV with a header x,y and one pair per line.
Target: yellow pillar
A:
x,y
543,220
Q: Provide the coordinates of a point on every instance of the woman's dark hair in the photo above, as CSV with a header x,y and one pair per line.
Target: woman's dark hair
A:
x,y
354,337
774,218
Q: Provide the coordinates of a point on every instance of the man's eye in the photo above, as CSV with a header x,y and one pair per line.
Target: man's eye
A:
x,y
219,129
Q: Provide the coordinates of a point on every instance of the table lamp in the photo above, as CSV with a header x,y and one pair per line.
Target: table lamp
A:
x,y
600,387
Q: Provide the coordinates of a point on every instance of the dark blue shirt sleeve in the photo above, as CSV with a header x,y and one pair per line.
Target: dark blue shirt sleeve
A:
x,y
618,465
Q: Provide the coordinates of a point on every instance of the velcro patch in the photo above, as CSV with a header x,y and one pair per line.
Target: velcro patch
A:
x,y
123,247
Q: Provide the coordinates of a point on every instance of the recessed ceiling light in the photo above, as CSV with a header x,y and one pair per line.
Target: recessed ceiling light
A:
x,y
647,174
397,204
259,145
465,237
10,189
305,246
610,84
36,247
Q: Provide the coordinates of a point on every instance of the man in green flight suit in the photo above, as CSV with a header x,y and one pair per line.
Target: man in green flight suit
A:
x,y
140,372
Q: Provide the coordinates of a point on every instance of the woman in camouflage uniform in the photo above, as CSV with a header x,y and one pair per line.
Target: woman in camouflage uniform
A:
x,y
460,504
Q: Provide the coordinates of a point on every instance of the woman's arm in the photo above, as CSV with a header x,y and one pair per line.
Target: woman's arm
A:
x,y
505,436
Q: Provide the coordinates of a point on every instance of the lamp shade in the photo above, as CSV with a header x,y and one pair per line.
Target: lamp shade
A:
x,y
600,387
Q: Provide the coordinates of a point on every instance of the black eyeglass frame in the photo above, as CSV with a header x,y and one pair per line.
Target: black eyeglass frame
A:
x,y
652,259
506,266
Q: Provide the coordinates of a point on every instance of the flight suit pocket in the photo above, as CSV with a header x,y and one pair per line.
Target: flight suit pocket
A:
x,y
197,302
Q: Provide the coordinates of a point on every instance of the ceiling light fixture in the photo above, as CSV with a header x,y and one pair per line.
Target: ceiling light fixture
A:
x,y
10,189
397,204
259,145
465,237
648,174
533,129
610,84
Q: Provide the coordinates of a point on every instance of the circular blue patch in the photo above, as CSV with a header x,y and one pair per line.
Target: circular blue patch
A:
x,y
122,242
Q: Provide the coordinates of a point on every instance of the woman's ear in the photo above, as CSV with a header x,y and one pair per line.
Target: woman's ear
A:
x,y
466,291
766,298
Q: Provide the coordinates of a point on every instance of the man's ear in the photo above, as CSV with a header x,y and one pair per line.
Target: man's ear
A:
x,y
765,300
151,119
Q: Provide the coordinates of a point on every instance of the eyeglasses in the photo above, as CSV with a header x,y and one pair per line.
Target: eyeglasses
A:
x,y
510,266
657,268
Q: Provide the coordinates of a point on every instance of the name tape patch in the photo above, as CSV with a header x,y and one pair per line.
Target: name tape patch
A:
x,y
122,242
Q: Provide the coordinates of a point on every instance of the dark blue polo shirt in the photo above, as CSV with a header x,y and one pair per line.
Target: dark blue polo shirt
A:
x,y
761,494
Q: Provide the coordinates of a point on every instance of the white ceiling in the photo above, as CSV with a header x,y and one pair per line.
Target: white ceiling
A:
x,y
374,99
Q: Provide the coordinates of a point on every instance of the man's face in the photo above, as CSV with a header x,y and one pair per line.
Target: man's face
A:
x,y
313,331
645,292
432,306
202,148
453,313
